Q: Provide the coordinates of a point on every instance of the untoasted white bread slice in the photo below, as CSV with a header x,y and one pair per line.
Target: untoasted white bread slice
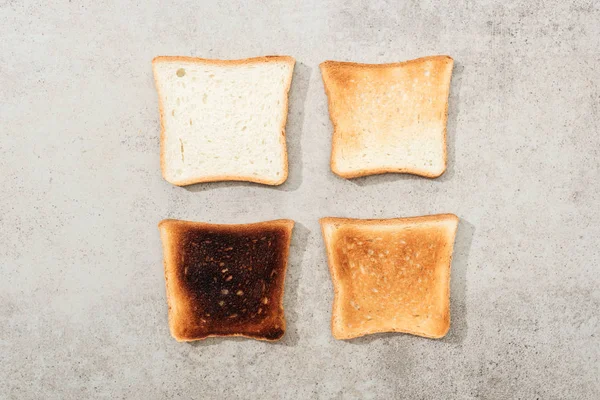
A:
x,y
388,117
225,280
390,275
223,120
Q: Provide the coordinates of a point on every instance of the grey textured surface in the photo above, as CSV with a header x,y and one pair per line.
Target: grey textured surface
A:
x,y
82,298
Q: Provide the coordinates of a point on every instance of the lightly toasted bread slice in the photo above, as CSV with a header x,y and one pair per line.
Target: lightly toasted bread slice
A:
x,y
390,275
225,280
388,117
223,120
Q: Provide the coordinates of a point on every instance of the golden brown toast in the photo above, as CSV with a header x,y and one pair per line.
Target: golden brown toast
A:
x,y
388,117
225,280
390,275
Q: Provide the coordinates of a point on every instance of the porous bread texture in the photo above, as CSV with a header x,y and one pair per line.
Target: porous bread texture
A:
x,y
223,120
388,117
390,275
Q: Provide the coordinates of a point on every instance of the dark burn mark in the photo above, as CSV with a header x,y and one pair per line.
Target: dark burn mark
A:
x,y
232,278
274,334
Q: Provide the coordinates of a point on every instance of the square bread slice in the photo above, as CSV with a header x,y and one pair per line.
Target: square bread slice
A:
x,y
390,275
225,280
388,117
223,120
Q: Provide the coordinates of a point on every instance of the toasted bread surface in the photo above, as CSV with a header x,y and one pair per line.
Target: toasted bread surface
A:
x,y
390,275
225,280
388,117
223,120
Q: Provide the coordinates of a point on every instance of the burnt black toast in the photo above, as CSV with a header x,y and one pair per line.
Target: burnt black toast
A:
x,y
225,280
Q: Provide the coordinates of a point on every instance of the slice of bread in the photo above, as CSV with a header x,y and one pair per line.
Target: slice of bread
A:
x,y
225,280
388,117
390,275
223,120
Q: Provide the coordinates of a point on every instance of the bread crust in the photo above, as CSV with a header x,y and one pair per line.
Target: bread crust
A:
x,y
246,61
187,305
346,290
326,66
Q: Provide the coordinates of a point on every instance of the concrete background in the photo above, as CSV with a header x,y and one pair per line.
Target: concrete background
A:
x,y
82,298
